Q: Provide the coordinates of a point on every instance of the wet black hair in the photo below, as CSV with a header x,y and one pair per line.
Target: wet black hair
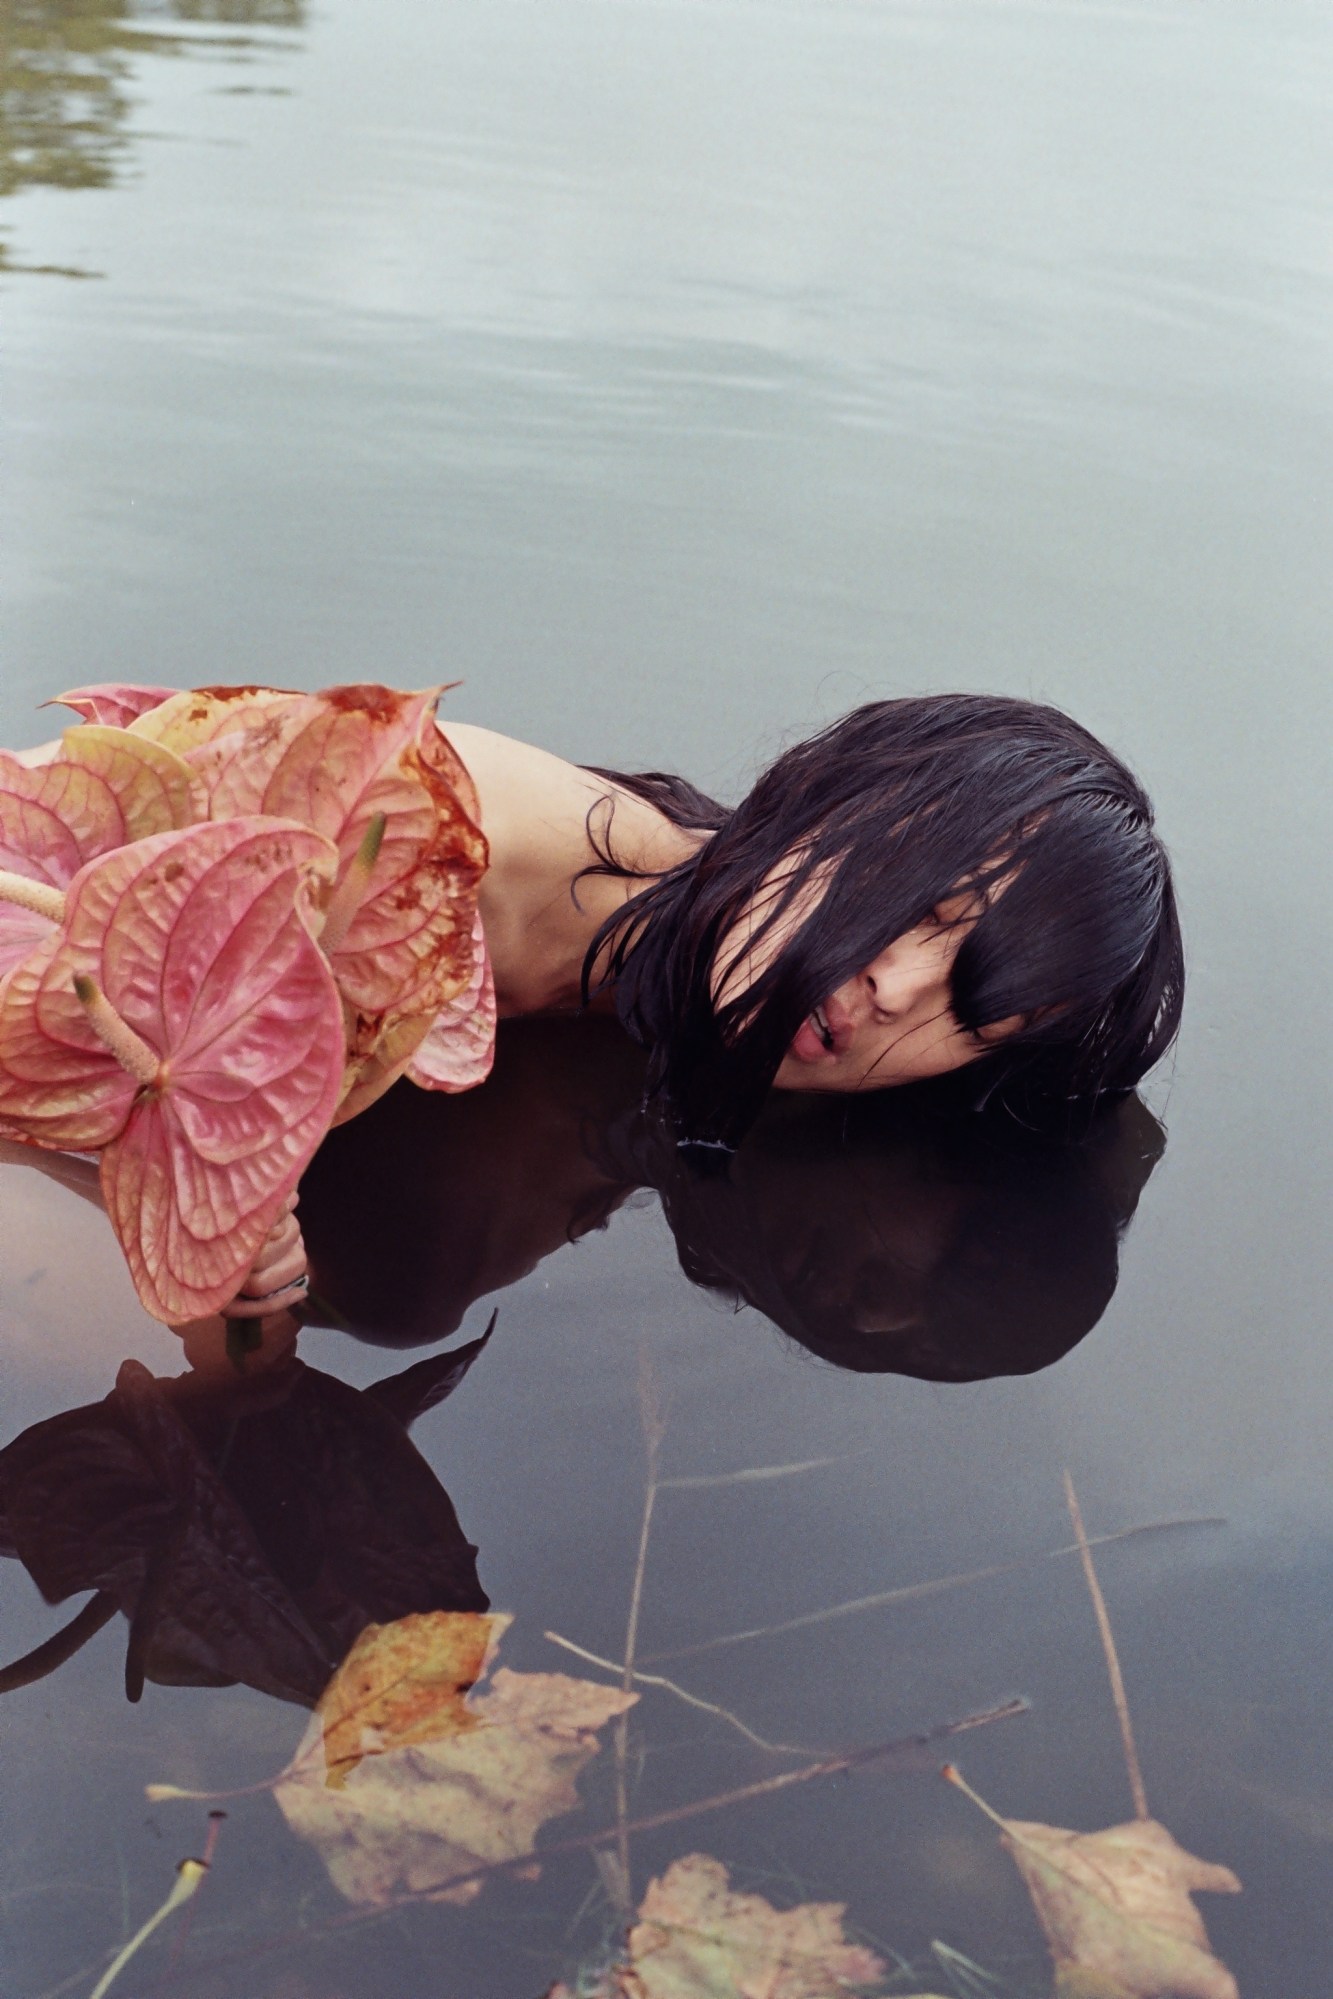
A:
x,y
877,820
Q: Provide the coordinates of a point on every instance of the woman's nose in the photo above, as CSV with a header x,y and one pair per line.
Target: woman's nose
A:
x,y
912,970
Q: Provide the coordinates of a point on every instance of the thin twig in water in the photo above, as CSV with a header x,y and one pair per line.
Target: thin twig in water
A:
x,y
750,1475
654,1429
1140,1795
911,1753
640,1678
908,1591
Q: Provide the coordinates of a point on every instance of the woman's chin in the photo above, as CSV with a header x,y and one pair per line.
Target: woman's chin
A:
x,y
797,1073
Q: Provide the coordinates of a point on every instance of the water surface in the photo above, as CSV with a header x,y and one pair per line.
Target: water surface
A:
x,y
675,377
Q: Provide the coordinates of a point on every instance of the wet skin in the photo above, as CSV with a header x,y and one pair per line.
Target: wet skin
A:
x,y
894,1022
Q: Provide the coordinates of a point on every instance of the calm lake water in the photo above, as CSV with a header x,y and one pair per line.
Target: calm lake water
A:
x,y
674,377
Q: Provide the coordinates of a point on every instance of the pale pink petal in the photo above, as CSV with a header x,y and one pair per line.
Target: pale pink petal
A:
x,y
155,788
116,702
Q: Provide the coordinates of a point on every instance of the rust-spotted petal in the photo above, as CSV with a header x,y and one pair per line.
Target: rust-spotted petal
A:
x,y
337,761
459,1050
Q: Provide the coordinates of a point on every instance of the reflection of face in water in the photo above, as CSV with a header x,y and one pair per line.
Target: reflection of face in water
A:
x,y
896,1232
906,1239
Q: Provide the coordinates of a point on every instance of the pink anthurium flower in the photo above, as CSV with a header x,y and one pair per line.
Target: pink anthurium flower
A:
x,y
459,1050
118,702
367,767
103,789
184,1022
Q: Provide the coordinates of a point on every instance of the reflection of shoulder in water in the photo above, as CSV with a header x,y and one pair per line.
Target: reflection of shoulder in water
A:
x,y
896,1231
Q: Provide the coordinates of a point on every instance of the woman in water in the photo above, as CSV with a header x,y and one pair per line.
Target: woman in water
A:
x,y
928,884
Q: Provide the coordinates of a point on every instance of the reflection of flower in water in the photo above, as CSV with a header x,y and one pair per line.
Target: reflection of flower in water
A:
x,y
65,73
248,1529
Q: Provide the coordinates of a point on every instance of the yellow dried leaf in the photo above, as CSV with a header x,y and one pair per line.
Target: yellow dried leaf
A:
x,y
440,1782
404,1682
1116,1909
696,1938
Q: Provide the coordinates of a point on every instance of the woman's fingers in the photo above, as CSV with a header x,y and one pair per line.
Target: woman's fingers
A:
x,y
278,1278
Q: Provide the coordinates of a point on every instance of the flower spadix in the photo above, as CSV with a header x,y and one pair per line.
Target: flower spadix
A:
x,y
183,1021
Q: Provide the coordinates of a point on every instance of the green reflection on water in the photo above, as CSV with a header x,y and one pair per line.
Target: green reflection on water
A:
x,y
66,69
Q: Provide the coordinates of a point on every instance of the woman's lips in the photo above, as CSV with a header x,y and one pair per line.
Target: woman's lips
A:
x,y
809,1044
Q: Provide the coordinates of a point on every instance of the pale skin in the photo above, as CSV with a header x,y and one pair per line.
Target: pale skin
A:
x,y
892,1023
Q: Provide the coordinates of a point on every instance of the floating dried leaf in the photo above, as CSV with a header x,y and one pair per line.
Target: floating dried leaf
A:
x,y
405,1682
1115,1905
439,1782
697,1938
1116,1908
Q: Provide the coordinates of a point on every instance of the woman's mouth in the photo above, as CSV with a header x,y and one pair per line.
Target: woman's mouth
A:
x,y
814,1040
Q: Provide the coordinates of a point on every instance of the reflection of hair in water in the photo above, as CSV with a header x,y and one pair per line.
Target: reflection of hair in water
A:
x,y
892,1231
888,1238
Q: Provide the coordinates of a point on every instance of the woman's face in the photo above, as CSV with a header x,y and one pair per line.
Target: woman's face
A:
x,y
894,1022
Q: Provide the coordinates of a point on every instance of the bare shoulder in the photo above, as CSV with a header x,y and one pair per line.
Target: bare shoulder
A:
x,y
533,802
548,822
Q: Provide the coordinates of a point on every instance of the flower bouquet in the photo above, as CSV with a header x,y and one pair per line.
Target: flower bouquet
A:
x,y
230,918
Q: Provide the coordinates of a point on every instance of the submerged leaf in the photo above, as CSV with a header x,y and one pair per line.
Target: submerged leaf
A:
x,y
416,1782
697,1938
200,942
405,1682
1115,1906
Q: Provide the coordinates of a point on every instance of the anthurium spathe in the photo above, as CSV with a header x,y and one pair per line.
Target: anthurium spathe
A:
x,y
118,702
102,789
183,1021
334,761
459,1050
366,766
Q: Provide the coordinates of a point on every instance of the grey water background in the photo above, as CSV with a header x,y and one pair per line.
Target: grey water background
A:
x,y
675,377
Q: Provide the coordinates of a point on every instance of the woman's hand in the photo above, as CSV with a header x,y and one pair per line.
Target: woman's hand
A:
x,y
279,1277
